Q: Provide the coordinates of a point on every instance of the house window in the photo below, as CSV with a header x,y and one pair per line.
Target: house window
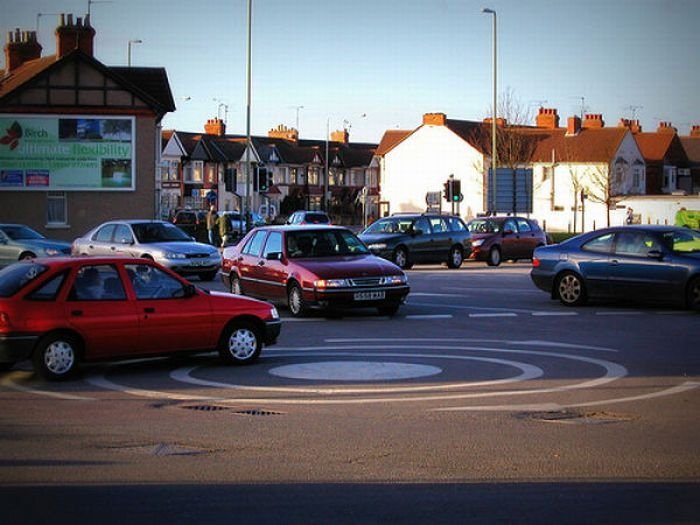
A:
x,y
56,209
670,178
187,172
197,171
212,174
637,171
314,176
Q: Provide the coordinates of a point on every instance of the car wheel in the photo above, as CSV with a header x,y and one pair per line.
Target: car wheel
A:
x,y
56,357
295,301
241,343
389,310
693,294
494,256
570,289
25,256
208,276
400,258
236,285
456,257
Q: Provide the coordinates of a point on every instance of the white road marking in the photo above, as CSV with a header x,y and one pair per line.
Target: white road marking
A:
x,y
433,316
503,314
554,314
627,312
8,382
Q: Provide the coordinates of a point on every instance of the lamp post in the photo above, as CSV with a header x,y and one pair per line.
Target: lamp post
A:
x,y
129,49
325,185
246,205
494,156
297,121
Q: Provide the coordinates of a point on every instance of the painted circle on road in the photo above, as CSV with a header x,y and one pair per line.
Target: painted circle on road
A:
x,y
354,371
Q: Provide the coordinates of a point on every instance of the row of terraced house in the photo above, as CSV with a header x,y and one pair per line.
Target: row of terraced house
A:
x,y
82,142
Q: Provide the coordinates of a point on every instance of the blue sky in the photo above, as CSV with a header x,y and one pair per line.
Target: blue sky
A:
x,y
393,61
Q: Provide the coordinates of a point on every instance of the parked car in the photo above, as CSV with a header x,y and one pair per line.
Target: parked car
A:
x,y
237,226
193,223
408,239
18,242
636,263
307,267
158,240
497,239
302,217
65,310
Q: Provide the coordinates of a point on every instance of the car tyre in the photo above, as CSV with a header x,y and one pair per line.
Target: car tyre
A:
x,y
400,258
235,287
26,256
693,294
295,301
455,258
241,343
56,357
494,256
570,289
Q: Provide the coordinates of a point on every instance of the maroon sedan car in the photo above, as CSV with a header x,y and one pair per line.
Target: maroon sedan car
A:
x,y
61,311
307,267
496,239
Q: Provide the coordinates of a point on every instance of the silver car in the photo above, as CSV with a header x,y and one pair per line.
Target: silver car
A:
x,y
157,240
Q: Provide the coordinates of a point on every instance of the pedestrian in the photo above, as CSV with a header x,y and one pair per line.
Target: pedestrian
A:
x,y
212,226
630,216
225,229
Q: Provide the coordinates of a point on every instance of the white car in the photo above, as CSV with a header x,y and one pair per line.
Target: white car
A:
x,y
160,241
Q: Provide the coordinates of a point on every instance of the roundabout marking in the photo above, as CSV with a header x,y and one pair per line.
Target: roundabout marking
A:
x,y
354,371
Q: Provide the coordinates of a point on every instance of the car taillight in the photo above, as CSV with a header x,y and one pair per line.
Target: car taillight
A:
x,y
4,321
535,262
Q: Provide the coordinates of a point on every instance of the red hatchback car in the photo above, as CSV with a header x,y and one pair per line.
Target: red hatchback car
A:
x,y
325,267
496,239
61,311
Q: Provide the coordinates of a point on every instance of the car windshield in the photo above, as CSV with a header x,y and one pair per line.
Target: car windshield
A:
x,y
390,226
483,226
17,233
150,232
323,243
16,276
316,218
683,241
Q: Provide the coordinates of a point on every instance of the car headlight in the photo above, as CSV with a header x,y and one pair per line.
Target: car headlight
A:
x,y
393,280
477,242
377,246
331,283
274,313
52,252
174,255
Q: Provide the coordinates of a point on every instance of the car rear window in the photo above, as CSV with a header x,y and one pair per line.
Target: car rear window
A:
x,y
16,276
316,218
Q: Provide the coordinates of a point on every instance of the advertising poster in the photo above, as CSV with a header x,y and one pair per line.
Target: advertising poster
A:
x,y
79,153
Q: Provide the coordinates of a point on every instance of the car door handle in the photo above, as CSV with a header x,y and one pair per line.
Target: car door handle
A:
x,y
261,263
149,310
76,313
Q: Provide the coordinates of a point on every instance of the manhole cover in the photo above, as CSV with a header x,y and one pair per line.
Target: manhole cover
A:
x,y
575,417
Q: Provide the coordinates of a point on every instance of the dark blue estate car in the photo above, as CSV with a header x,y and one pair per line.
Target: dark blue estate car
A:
x,y
637,263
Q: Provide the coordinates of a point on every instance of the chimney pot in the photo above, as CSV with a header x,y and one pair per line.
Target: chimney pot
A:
x,y
547,118
573,126
434,119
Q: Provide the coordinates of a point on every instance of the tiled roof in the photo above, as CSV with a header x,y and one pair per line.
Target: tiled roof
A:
x,y
659,147
390,139
150,84
691,145
588,145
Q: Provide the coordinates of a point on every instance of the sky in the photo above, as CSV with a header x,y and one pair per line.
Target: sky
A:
x,y
377,65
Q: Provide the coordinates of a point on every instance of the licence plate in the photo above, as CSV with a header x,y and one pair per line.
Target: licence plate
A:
x,y
369,296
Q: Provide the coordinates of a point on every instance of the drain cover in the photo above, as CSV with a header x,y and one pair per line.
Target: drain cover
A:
x,y
206,408
575,417
257,412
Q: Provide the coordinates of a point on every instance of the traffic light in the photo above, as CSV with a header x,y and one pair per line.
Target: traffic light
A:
x,y
447,190
456,191
263,181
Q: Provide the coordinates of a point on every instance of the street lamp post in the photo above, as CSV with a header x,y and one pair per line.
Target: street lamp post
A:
x,y
493,112
325,186
129,49
247,203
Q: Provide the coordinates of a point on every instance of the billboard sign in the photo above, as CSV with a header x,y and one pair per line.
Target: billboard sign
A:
x,y
66,153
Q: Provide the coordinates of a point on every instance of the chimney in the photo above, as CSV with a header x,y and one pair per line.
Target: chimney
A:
x,y
666,127
633,125
21,47
573,126
434,119
592,120
341,135
283,132
70,36
215,126
695,131
500,121
547,118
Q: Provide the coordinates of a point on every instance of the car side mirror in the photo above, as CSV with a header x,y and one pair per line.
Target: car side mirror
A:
x,y
416,231
508,232
190,290
274,256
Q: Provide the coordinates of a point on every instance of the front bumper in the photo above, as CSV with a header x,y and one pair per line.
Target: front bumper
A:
x,y
348,298
272,331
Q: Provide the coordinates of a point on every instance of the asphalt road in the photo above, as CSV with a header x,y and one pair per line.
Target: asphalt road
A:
x,y
482,401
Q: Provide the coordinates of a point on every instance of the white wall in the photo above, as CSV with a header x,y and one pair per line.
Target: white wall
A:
x,y
423,162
